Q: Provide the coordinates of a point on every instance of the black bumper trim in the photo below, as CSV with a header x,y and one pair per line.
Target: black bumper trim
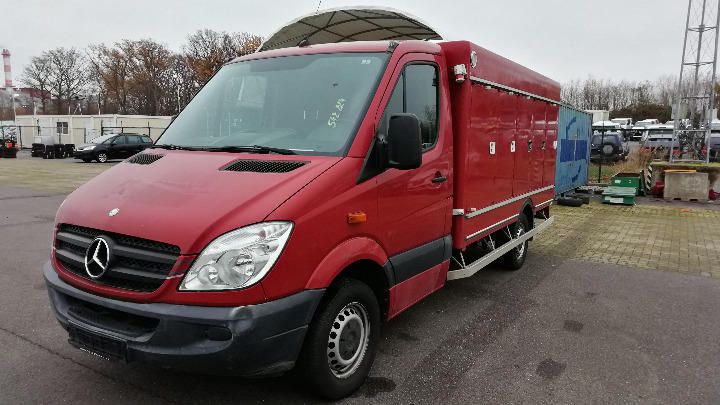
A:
x,y
264,338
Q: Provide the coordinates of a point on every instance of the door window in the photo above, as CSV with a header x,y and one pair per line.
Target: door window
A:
x,y
133,139
416,92
120,140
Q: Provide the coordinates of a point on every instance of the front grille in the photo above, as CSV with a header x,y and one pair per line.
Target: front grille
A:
x,y
144,158
138,264
263,166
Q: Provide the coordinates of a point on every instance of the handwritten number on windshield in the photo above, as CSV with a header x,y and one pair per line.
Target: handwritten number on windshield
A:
x,y
335,115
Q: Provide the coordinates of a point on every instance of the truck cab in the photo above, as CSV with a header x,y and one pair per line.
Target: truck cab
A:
x,y
305,196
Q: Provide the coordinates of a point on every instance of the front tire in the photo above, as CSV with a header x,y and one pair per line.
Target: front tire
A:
x,y
341,342
102,157
515,258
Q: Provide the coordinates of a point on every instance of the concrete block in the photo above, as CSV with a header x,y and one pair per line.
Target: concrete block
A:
x,y
686,186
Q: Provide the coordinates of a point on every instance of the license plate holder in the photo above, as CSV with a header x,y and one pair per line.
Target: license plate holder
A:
x,y
100,345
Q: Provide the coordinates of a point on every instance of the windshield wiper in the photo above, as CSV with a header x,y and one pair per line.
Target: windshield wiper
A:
x,y
173,147
251,149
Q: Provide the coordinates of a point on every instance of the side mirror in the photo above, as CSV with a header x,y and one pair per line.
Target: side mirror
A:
x,y
404,143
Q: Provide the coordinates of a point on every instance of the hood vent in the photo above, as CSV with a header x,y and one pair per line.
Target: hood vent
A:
x,y
144,158
263,166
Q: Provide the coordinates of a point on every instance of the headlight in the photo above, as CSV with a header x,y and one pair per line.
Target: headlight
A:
x,y
239,258
89,147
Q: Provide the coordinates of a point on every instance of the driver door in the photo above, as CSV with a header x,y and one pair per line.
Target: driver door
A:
x,y
119,148
415,205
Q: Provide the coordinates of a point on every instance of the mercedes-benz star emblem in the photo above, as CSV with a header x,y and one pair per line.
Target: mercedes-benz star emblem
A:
x,y
97,258
113,212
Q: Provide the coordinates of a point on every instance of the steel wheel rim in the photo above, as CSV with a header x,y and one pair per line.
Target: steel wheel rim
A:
x,y
348,340
520,232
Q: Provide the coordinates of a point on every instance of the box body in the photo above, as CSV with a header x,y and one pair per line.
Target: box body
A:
x,y
505,125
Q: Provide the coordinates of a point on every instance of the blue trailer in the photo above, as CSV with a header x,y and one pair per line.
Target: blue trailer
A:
x,y
573,149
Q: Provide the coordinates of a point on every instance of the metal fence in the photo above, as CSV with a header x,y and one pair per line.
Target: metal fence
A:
x,y
27,135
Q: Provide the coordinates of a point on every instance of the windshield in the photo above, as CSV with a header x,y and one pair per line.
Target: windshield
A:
x,y
310,104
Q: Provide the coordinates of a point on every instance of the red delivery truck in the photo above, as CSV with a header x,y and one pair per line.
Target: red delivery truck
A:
x,y
309,193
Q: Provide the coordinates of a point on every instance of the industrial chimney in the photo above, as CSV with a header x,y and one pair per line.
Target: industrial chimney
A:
x,y
7,68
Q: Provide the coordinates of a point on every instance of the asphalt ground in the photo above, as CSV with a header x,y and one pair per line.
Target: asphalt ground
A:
x,y
560,330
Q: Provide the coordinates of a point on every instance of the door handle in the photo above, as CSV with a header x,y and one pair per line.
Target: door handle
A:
x,y
438,178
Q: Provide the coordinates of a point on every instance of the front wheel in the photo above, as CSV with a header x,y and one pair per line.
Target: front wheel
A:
x,y
515,258
340,345
102,157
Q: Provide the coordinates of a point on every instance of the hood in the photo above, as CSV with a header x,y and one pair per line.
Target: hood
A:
x,y
185,198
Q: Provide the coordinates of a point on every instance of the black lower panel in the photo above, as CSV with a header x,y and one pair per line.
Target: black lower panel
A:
x,y
416,260
101,346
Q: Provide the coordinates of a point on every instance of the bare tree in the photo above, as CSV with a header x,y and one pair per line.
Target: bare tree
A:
x,y
37,76
111,67
150,64
207,50
68,75
139,77
182,86
246,43
205,53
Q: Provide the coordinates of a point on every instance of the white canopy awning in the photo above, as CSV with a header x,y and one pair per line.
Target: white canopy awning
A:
x,y
346,24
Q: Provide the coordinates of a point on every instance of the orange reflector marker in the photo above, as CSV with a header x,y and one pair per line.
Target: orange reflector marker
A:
x,y
357,217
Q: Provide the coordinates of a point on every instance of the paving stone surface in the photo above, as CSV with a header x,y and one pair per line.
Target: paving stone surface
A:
x,y
672,238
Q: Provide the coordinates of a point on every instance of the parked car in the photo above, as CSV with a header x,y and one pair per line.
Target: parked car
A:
x,y
647,122
609,147
714,146
304,197
606,125
658,144
113,146
625,123
637,134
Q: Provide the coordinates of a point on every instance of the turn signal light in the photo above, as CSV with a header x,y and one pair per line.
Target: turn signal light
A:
x,y
357,217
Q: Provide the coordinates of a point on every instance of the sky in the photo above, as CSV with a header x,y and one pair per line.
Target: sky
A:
x,y
562,39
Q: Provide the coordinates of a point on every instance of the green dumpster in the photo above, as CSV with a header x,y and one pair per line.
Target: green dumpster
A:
x,y
632,180
619,195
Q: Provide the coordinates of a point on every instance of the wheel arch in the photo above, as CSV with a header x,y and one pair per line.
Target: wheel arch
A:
x,y
359,258
528,211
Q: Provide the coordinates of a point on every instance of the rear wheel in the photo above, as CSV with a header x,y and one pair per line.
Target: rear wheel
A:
x,y
340,345
102,157
515,258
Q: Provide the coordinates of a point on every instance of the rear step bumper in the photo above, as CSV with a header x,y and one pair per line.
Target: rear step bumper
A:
x,y
484,261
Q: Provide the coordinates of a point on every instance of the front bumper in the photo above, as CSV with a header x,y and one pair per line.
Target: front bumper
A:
x,y
83,154
251,340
